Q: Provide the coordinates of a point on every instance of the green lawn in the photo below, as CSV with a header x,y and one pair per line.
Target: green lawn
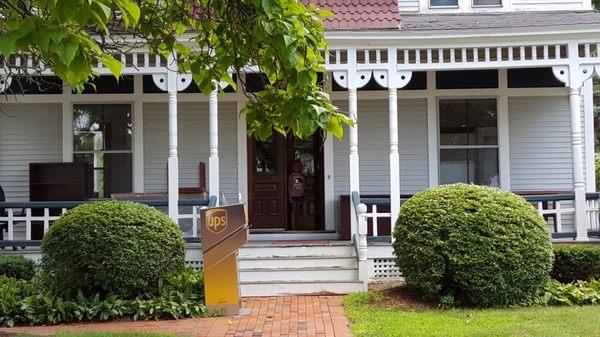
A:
x,y
526,322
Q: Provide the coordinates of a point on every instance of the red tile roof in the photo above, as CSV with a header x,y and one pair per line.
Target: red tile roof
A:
x,y
360,14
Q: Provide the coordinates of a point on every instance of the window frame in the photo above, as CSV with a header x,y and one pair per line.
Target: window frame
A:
x,y
430,6
500,5
94,152
441,147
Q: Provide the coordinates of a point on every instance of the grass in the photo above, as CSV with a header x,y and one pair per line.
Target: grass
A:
x,y
366,320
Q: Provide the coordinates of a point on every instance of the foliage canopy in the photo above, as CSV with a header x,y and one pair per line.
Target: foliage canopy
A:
x,y
208,38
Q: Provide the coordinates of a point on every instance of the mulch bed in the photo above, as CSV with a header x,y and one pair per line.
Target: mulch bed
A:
x,y
400,297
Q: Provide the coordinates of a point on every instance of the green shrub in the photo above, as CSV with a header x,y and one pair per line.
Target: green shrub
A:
x,y
480,245
17,266
188,281
575,293
111,247
24,302
576,262
597,171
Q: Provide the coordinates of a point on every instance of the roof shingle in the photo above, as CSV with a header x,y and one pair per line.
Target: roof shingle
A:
x,y
360,14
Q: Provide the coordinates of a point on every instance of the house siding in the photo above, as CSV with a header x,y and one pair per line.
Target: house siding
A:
x,y
28,133
540,143
373,148
193,138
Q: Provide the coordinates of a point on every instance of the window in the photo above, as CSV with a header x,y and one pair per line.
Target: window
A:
x,y
443,3
102,137
468,141
487,3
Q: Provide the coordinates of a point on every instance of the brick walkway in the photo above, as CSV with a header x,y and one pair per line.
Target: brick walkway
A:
x,y
271,316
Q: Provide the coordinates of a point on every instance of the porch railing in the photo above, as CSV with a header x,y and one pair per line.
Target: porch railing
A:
x,y
360,238
557,209
23,215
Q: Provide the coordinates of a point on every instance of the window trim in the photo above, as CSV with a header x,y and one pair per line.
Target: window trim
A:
x,y
441,147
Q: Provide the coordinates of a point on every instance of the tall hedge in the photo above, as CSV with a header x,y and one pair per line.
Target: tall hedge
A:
x,y
576,262
480,245
114,246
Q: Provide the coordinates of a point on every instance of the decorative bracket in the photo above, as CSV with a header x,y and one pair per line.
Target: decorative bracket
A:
x,y
5,83
362,78
382,78
161,80
563,74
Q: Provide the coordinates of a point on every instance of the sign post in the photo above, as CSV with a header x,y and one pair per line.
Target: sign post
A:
x,y
224,231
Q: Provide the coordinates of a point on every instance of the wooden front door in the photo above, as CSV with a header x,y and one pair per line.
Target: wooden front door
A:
x,y
269,166
267,204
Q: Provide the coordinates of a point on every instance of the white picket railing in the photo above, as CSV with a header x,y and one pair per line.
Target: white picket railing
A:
x,y
23,216
557,209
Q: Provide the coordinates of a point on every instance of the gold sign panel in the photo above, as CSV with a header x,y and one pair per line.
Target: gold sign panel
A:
x,y
224,231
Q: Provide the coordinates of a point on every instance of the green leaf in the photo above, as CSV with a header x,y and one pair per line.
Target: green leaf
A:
x,y
112,64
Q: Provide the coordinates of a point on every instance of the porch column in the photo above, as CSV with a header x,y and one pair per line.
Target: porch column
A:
x,y
577,151
394,156
353,157
173,162
213,161
352,86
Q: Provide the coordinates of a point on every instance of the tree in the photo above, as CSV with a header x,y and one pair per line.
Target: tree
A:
x,y
211,39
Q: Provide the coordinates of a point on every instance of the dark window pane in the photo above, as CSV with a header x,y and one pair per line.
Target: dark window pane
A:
x,y
435,3
112,172
487,2
475,166
102,127
468,122
266,156
533,78
467,79
110,85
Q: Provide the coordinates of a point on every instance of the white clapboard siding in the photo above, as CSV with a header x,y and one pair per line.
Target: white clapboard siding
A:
x,y
408,5
547,4
373,148
193,146
28,133
540,143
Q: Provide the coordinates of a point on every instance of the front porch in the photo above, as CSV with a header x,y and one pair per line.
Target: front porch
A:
x,y
419,119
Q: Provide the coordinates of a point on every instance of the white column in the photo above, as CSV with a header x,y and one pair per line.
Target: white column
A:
x,y
213,160
173,162
432,131
394,156
242,149
67,125
353,138
353,157
138,136
577,151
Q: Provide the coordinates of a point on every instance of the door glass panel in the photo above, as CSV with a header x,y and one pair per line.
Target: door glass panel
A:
x,y
266,156
475,166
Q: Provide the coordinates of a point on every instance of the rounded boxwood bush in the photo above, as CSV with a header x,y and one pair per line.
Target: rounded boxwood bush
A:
x,y
17,266
477,245
111,247
576,262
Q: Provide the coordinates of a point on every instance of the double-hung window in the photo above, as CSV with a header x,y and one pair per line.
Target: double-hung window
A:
x,y
443,3
468,141
102,138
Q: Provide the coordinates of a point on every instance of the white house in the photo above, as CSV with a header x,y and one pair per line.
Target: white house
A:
x,y
492,92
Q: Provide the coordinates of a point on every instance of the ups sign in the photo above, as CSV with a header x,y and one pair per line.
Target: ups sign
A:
x,y
216,220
